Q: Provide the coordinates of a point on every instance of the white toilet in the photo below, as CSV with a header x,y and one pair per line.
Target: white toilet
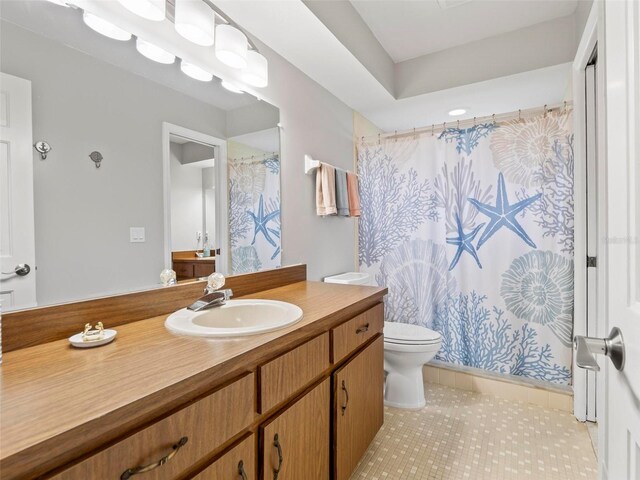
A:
x,y
406,349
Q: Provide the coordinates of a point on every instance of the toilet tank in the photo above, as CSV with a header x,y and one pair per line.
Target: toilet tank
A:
x,y
351,278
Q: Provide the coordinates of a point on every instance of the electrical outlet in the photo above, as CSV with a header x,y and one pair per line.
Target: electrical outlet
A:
x,y
136,234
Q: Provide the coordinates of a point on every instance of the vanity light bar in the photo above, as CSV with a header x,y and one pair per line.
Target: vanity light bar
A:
x,y
194,20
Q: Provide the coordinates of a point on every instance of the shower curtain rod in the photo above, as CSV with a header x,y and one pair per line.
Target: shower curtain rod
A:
x,y
518,114
253,157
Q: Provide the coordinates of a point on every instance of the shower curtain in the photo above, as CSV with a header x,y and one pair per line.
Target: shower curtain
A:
x,y
472,232
254,214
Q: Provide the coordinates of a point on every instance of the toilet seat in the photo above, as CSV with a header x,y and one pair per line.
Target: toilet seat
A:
x,y
407,334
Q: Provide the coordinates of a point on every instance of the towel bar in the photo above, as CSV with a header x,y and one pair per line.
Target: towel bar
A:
x,y
310,164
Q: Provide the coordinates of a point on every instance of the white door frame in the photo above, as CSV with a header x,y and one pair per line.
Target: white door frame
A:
x,y
221,236
586,47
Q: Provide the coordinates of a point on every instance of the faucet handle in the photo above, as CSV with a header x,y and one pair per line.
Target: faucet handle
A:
x,y
216,281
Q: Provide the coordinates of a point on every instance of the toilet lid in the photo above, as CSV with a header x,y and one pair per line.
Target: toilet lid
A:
x,y
395,332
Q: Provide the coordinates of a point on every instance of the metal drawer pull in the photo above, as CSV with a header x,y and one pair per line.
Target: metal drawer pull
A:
x,y
130,472
276,443
362,329
241,471
346,393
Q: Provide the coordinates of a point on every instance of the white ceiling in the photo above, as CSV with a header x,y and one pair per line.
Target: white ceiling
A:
x,y
531,89
408,29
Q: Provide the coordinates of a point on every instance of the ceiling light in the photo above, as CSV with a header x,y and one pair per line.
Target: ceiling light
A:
x,y
149,9
194,72
62,3
232,87
195,21
154,53
457,112
257,71
105,28
231,46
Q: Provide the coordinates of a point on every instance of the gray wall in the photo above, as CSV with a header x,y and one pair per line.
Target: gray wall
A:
x,y
83,214
538,46
313,122
347,25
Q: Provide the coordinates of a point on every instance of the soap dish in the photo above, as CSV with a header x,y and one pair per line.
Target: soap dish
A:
x,y
91,337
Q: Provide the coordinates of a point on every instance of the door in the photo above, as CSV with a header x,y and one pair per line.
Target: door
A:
x,y
295,444
620,423
17,242
358,407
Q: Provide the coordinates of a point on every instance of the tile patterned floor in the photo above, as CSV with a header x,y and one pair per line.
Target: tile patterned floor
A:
x,y
468,435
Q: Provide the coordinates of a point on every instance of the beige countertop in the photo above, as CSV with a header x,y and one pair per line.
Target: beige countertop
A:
x,y
57,399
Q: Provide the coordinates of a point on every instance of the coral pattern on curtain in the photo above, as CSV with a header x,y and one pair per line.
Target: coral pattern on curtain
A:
x,y
472,232
254,214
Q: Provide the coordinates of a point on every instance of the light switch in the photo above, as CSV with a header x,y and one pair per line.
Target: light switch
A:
x,y
136,234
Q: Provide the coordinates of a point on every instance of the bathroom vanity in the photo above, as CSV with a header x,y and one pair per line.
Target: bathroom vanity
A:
x,y
303,402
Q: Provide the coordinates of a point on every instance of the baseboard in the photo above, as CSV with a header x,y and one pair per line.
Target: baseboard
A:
x,y
542,395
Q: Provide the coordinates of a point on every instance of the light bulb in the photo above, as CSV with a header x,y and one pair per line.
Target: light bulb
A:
x,y
149,9
105,28
232,87
257,71
195,72
231,46
195,21
154,53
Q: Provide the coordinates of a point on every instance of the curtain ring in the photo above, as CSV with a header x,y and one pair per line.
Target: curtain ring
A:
x,y
545,110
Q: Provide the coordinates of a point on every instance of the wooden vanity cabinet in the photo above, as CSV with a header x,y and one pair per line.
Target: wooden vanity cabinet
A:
x,y
308,413
295,443
357,407
238,463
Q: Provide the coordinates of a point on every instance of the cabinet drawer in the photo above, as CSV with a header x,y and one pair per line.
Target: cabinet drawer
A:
x,y
183,270
206,424
288,373
203,270
241,458
357,331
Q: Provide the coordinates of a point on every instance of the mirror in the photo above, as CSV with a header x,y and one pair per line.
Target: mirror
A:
x,y
148,168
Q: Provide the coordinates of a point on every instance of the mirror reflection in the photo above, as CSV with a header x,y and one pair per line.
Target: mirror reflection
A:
x,y
189,176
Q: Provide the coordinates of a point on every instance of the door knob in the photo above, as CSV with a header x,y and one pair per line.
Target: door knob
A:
x,y
22,269
587,347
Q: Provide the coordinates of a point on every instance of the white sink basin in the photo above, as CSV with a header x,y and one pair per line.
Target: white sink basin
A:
x,y
235,318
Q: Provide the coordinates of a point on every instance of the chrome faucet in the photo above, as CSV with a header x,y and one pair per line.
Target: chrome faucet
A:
x,y
213,296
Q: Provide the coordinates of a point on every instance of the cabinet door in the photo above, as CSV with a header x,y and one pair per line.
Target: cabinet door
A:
x,y
358,407
237,464
295,444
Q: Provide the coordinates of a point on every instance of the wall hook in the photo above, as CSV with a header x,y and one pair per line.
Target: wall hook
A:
x,y
96,157
42,148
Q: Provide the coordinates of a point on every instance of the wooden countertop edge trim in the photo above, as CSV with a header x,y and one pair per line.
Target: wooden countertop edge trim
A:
x,y
65,448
